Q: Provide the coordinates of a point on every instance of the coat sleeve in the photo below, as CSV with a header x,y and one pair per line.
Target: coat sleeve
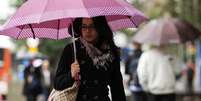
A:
x,y
63,78
142,72
116,83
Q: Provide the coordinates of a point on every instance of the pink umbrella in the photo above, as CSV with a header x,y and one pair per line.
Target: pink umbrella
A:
x,y
51,18
166,31
156,34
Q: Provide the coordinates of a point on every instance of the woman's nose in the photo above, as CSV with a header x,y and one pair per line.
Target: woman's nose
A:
x,y
87,29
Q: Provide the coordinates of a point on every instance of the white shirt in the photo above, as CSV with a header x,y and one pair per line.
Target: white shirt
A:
x,y
155,72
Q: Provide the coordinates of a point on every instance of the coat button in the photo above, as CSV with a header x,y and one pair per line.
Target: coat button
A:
x,y
84,97
84,82
82,47
96,82
95,98
82,62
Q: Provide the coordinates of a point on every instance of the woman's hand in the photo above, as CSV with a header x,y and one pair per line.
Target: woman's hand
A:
x,y
75,70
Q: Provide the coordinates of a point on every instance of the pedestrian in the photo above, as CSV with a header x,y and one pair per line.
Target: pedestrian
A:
x,y
131,70
32,80
156,75
47,78
98,62
190,72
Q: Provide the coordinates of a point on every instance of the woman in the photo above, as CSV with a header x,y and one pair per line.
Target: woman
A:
x,y
98,62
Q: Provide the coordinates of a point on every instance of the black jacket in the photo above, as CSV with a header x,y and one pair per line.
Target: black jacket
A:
x,y
131,67
94,82
134,57
34,87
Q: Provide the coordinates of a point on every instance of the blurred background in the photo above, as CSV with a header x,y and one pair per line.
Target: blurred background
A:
x,y
16,55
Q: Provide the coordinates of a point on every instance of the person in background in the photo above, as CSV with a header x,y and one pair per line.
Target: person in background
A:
x,y
47,78
156,75
3,88
32,80
131,70
190,71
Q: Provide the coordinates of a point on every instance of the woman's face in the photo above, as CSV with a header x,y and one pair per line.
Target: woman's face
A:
x,y
88,30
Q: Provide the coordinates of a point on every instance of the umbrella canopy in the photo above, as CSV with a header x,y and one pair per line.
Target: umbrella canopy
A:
x,y
166,31
51,18
187,32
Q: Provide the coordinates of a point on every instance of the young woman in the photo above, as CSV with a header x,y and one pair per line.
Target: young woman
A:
x,y
98,62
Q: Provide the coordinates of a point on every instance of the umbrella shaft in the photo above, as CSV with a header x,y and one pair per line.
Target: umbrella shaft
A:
x,y
74,46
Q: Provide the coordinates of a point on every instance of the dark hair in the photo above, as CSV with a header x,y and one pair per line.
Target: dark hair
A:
x,y
105,34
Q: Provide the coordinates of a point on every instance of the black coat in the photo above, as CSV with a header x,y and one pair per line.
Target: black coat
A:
x,y
132,67
94,82
34,87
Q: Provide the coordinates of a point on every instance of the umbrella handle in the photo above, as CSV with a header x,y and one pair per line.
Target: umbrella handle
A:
x,y
74,46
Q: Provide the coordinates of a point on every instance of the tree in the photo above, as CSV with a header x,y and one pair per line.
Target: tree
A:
x,y
53,48
188,10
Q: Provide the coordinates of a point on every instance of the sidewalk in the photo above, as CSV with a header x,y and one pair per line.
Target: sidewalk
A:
x,y
15,91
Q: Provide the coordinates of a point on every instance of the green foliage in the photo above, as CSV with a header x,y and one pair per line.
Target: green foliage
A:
x,y
16,3
52,47
185,9
49,48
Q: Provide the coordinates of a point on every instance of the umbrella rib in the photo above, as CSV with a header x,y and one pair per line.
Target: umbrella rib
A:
x,y
132,21
58,29
20,32
34,36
